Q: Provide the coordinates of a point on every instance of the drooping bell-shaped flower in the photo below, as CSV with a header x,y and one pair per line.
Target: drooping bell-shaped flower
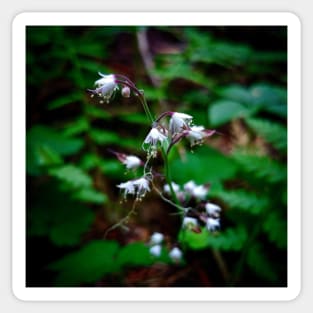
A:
x,y
128,188
142,187
212,209
138,187
152,140
176,254
197,134
179,122
189,222
156,238
131,161
197,191
155,250
213,224
105,86
189,186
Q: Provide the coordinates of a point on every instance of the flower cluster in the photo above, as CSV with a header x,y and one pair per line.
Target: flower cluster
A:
x,y
166,130
107,85
204,212
155,248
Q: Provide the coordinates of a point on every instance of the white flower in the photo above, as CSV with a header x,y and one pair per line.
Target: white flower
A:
x,y
212,209
200,192
153,138
179,121
105,86
195,134
189,186
197,191
176,254
156,238
155,250
142,186
167,189
131,162
139,187
190,222
128,187
213,224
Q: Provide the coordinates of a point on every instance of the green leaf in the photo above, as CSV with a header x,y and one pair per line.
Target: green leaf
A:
x,y
87,265
89,161
261,167
68,230
206,165
243,200
55,214
134,254
276,228
227,240
135,118
103,137
271,98
46,146
195,241
53,139
223,111
78,126
260,264
64,100
72,175
96,112
273,133
90,195
111,167
236,93
39,157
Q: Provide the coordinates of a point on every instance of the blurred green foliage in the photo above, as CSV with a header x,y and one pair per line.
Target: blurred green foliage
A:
x,y
222,76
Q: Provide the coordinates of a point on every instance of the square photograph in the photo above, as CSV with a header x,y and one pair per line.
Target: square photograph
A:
x,y
156,156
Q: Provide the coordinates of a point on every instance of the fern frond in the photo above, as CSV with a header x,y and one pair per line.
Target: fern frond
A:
x,y
243,200
261,167
273,133
276,229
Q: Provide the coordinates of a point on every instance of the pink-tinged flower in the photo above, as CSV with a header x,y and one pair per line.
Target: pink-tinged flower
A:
x,y
212,209
197,134
155,250
105,86
152,140
131,161
179,122
156,238
212,224
192,224
176,254
125,92
138,187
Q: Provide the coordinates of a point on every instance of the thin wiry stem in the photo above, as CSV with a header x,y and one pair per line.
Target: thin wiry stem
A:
x,y
167,200
122,221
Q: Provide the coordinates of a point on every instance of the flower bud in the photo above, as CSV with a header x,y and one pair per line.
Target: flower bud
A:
x,y
125,92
